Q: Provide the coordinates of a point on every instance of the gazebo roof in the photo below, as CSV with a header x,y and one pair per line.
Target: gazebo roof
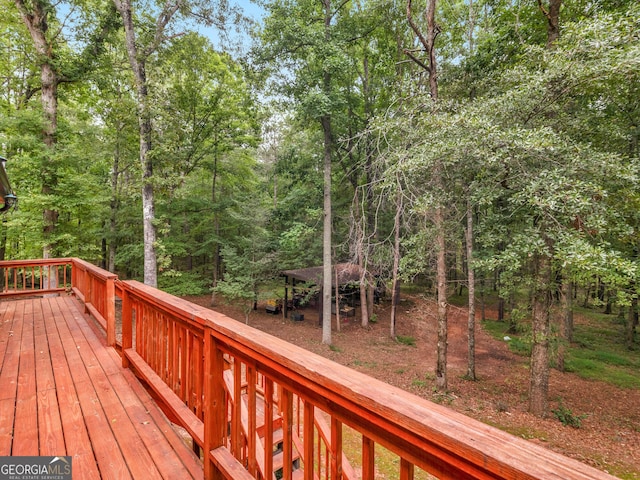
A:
x,y
347,273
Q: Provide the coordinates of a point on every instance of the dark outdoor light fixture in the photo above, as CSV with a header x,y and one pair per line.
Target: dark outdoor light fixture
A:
x,y
7,198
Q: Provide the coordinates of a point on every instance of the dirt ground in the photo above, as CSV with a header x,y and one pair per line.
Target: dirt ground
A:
x,y
608,439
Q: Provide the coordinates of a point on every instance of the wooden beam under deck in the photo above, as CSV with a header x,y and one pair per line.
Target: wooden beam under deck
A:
x,y
64,392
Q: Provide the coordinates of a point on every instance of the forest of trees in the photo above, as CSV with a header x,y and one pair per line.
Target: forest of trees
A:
x,y
490,145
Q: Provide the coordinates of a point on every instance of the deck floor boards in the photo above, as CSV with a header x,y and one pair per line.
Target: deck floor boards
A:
x,y
63,392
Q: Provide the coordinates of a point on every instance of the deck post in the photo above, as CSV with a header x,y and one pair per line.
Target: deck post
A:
x,y
368,458
111,311
127,334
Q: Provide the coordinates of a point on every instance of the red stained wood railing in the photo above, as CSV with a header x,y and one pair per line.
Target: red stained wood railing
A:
x,y
251,374
96,288
259,407
35,277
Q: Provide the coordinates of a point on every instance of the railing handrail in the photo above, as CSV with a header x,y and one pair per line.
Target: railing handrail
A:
x,y
34,262
94,270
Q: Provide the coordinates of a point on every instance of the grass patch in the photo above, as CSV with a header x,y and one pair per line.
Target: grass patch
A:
x,y
387,463
335,348
598,351
406,340
360,363
519,344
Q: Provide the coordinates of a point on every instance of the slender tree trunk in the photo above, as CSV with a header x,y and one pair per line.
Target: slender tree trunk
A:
x,y
359,240
441,278
395,289
326,236
35,17
216,247
566,325
471,280
364,304
327,224
539,375
137,61
337,280
632,323
113,207
428,41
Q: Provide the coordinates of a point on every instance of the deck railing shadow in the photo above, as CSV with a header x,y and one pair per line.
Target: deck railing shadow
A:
x,y
258,407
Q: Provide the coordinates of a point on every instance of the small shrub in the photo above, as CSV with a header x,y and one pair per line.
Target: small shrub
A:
x,y
408,340
335,348
567,417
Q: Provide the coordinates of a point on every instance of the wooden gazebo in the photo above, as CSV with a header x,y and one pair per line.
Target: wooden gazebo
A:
x,y
343,273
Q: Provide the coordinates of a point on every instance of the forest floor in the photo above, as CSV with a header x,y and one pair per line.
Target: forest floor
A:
x,y
609,435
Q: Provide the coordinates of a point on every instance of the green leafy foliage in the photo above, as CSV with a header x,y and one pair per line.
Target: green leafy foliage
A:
x,y
567,417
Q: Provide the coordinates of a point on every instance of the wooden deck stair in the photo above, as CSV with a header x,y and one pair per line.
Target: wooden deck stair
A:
x,y
277,436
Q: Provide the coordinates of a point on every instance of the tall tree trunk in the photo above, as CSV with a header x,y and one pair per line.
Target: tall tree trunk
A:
x,y
137,60
216,223
113,207
395,289
441,278
359,219
552,14
35,17
428,41
327,224
539,375
326,236
471,280
566,325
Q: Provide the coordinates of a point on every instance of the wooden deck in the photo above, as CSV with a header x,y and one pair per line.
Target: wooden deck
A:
x,y
63,392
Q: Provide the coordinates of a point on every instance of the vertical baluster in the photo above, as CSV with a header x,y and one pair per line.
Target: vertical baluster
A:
x,y
336,448
268,428
287,427
309,433
171,354
406,470
189,361
236,417
319,456
215,416
184,363
127,328
110,310
136,309
327,461
198,374
252,427
368,458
